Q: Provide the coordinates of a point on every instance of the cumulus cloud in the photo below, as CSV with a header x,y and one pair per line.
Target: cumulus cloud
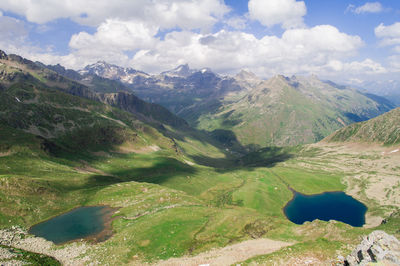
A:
x,y
115,34
159,35
389,35
236,22
187,14
369,7
397,49
298,50
13,33
394,62
288,13
320,49
367,66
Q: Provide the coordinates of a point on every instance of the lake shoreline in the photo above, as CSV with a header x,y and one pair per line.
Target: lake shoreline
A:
x,y
107,219
301,197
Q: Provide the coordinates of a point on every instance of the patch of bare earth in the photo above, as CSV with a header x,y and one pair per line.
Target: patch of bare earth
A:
x,y
302,260
142,150
87,169
101,153
229,254
71,254
5,153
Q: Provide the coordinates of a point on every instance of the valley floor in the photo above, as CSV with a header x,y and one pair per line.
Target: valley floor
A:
x,y
175,211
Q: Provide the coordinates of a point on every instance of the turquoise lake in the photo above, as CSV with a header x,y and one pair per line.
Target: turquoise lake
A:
x,y
79,223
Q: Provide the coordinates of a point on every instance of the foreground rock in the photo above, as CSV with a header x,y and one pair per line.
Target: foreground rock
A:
x,y
376,247
16,237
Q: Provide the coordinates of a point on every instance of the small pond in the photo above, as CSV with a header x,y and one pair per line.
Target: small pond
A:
x,y
326,206
83,222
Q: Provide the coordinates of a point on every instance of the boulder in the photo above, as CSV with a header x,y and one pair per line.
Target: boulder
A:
x,y
377,247
3,55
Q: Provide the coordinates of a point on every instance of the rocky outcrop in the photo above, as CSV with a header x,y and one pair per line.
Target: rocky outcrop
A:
x,y
16,237
129,102
377,247
3,55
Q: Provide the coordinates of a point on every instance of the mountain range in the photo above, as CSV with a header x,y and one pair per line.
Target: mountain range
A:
x,y
246,109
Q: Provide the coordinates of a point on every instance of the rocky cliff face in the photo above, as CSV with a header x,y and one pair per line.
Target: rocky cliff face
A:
x,y
14,68
377,247
132,104
110,71
175,89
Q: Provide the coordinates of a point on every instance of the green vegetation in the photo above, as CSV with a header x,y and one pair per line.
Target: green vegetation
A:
x,y
284,112
178,191
384,129
28,258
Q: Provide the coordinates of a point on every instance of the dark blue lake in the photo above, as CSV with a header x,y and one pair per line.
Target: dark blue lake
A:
x,y
326,206
79,223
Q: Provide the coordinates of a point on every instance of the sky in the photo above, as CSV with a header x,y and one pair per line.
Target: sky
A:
x,y
352,42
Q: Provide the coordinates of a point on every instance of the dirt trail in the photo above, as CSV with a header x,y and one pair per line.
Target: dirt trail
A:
x,y
230,254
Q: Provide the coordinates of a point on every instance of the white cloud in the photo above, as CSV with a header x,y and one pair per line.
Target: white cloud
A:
x,y
318,49
13,33
369,7
298,50
236,22
127,33
368,66
115,34
397,49
389,35
288,13
187,14
394,62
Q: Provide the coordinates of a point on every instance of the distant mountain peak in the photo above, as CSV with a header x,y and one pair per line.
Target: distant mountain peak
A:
x,y
184,67
106,70
246,75
180,71
206,69
280,78
101,64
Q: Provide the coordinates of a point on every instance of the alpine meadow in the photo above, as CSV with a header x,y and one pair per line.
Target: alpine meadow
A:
x,y
199,132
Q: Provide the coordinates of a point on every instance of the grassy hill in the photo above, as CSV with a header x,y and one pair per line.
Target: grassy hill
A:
x,y
283,112
384,129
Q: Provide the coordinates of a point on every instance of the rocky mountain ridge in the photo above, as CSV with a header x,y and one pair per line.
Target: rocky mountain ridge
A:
x,y
278,111
14,68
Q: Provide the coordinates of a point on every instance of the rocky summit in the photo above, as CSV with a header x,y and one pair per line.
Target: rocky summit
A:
x,y
378,247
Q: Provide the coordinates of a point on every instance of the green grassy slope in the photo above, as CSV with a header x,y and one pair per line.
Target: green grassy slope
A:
x,y
284,112
384,129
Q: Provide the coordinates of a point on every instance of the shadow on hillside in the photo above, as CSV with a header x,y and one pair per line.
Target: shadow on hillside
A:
x,y
237,155
158,173
77,145
266,157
